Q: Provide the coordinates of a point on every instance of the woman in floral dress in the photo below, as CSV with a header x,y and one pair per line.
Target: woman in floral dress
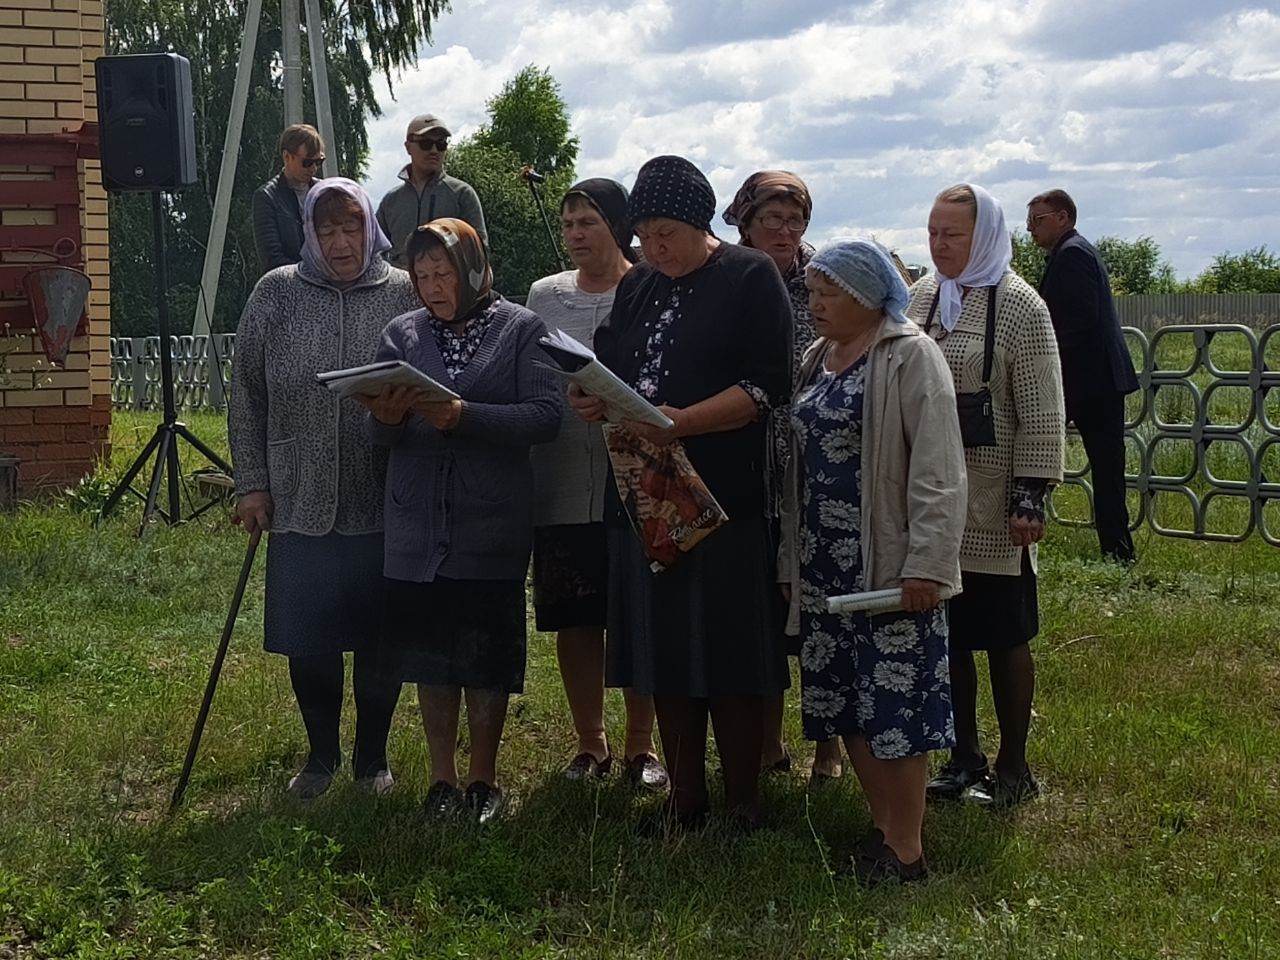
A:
x,y
875,498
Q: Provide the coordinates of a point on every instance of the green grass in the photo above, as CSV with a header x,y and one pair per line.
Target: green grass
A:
x,y
1157,735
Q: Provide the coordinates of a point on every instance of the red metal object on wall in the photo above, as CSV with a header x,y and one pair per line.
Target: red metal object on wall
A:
x,y
56,244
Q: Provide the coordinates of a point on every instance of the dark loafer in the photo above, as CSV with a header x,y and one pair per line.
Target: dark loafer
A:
x,y
953,780
781,765
586,767
484,802
875,862
645,772
1001,794
443,799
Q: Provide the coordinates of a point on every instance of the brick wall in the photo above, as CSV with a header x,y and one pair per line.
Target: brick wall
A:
x,y
55,420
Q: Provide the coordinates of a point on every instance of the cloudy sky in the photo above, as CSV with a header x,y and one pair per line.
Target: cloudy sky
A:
x,y
1161,117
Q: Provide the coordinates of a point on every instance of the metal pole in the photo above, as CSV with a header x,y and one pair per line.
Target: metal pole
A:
x,y
215,672
320,85
207,296
551,234
291,49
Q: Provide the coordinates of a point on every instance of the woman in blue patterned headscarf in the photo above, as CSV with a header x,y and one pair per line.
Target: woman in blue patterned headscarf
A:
x,y
874,499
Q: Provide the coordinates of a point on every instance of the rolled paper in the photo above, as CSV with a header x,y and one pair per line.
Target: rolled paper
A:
x,y
876,601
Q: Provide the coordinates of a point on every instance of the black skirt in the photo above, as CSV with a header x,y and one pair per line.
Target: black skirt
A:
x,y
710,626
995,612
456,633
570,576
323,594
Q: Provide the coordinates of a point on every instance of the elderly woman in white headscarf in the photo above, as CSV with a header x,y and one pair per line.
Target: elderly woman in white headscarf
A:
x,y
996,334
874,499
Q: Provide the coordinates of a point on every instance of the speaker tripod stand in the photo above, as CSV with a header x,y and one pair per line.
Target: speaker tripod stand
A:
x,y
163,444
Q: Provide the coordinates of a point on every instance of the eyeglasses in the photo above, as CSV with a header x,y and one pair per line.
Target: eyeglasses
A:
x,y
1033,220
773,221
426,143
309,162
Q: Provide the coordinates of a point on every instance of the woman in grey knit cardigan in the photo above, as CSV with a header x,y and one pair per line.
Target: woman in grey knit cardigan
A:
x,y
306,471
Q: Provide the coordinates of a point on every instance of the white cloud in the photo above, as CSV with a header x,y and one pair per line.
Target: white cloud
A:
x,y
1159,116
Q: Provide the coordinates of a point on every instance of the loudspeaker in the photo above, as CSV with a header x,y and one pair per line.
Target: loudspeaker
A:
x,y
146,122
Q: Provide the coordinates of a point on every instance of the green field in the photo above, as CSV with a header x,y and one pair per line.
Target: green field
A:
x,y
1156,735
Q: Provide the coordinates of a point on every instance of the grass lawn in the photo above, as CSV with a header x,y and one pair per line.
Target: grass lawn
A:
x,y
1157,737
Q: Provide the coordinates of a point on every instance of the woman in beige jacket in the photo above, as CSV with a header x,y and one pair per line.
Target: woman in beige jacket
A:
x,y
875,498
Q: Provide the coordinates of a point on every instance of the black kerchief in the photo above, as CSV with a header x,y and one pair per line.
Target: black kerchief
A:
x,y
610,200
674,188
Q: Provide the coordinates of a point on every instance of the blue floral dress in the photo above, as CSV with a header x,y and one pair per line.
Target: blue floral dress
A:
x,y
885,678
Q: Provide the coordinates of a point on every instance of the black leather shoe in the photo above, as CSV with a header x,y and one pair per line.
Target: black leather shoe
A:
x,y
645,772
483,801
953,780
1001,794
443,799
586,767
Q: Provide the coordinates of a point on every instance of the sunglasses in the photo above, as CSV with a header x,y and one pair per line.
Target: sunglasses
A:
x,y
309,162
426,143
1032,221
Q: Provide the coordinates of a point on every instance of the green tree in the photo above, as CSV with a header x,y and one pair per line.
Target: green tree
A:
x,y
530,118
491,161
362,39
1254,271
1028,259
1136,266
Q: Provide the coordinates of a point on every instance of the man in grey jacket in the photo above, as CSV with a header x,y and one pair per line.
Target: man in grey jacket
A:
x,y
427,193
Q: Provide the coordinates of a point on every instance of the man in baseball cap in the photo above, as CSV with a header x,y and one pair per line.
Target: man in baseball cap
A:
x,y
427,193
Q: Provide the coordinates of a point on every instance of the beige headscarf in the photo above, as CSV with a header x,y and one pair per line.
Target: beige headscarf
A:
x,y
466,252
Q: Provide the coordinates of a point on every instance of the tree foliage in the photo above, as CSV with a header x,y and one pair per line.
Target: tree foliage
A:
x,y
520,247
1254,271
362,39
530,118
1136,266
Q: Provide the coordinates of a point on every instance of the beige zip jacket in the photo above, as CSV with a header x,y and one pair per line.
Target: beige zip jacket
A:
x,y
914,486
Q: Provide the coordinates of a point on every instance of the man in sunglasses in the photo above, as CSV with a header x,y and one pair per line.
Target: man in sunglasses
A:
x,y
1097,370
427,193
278,203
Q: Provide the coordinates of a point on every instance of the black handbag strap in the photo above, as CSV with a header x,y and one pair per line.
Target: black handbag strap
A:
x,y
988,343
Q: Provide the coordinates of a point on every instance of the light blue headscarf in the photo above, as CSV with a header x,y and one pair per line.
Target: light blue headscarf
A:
x,y
375,241
865,270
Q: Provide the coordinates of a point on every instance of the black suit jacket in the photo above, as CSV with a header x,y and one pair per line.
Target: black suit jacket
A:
x,y
277,224
1095,360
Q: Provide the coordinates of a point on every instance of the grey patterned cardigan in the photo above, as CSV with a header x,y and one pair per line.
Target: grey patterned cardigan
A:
x,y
289,435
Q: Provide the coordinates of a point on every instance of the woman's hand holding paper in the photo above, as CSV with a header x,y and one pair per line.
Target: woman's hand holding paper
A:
x,y
392,403
588,408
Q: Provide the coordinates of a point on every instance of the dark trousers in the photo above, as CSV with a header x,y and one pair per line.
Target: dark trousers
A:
x,y
1100,421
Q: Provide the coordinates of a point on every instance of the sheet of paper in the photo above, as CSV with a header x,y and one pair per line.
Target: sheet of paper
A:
x,y
876,601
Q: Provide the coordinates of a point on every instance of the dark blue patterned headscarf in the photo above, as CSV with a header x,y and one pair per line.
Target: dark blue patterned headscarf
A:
x,y
674,188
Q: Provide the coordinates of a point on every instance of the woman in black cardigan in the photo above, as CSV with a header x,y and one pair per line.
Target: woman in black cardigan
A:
x,y
702,329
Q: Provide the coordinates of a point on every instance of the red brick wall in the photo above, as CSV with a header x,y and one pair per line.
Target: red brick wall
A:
x,y
55,420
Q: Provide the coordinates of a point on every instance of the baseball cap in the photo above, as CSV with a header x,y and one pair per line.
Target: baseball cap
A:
x,y
425,123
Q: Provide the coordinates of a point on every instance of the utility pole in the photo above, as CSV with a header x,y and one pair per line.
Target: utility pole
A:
x,y
291,48
320,85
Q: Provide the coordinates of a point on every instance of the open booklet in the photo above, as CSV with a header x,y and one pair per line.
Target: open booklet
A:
x,y
574,361
368,380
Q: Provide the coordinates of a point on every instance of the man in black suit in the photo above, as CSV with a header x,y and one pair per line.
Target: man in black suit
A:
x,y
1097,371
277,204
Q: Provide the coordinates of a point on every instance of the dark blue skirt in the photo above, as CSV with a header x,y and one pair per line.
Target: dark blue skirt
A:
x,y
710,626
324,594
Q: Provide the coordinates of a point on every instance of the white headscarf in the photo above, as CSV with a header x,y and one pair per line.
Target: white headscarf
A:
x,y
989,258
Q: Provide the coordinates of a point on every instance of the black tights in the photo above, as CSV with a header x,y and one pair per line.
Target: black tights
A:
x,y
1013,684
317,683
739,731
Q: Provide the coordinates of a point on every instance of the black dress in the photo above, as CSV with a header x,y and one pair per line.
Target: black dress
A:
x,y
711,625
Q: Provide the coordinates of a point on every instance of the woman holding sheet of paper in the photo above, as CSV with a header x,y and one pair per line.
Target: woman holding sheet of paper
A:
x,y
459,503
874,498
305,471
703,329
571,475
